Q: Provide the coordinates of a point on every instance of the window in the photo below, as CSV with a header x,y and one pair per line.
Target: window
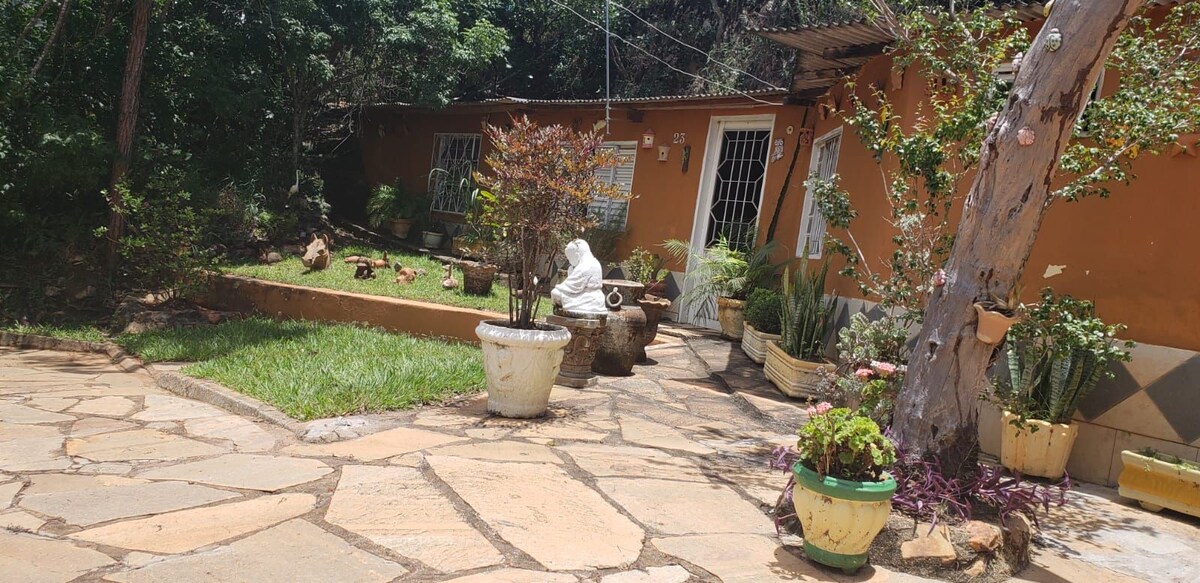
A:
x,y
455,158
824,166
611,213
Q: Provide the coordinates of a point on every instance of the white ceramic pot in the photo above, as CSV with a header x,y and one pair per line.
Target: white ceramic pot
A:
x,y
431,240
754,343
1036,448
521,366
792,376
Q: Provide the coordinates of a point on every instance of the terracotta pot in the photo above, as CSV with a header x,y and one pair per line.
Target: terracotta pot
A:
x,y
520,366
586,331
1157,484
840,517
621,341
657,288
631,291
477,277
654,307
432,240
731,315
401,227
992,326
1036,448
754,343
792,376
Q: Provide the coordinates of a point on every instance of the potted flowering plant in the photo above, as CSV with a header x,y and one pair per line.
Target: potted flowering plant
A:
x,y
843,493
535,201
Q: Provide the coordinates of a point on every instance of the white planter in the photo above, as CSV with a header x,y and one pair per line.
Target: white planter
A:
x,y
431,240
521,366
792,376
754,343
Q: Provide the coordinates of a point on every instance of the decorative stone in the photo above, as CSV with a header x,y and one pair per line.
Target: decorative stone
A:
x,y
187,530
586,333
397,508
621,341
580,291
293,552
929,545
543,511
245,471
674,507
88,500
1026,136
983,537
654,307
25,557
977,568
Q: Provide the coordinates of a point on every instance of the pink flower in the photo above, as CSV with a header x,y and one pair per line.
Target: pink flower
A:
x,y
939,278
823,408
864,373
885,369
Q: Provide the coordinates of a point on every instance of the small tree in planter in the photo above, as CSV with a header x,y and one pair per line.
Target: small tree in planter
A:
x,y
536,200
1056,355
794,362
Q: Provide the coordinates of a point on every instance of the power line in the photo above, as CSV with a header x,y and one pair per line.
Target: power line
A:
x,y
668,65
694,48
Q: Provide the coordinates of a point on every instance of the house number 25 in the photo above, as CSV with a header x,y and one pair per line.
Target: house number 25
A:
x,y
679,138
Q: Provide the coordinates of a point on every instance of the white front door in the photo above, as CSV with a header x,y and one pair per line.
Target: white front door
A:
x,y
731,189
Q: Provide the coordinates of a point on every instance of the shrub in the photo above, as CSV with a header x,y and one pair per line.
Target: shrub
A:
x,y
839,443
644,267
724,270
763,310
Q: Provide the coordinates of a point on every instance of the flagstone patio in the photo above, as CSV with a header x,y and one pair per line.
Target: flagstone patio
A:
x,y
659,477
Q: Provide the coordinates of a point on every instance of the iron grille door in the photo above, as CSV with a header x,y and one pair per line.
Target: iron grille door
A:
x,y
451,182
737,186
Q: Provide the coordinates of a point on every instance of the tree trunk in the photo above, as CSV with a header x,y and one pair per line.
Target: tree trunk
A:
x,y
127,113
787,182
937,411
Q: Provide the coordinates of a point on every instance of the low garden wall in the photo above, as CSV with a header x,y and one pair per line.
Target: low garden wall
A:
x,y
281,300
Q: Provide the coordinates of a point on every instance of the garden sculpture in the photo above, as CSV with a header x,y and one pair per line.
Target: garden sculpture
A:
x,y
316,254
581,291
405,275
448,281
364,270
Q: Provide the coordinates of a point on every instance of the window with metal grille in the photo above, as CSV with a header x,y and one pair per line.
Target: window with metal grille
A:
x,y
737,188
823,166
613,213
455,158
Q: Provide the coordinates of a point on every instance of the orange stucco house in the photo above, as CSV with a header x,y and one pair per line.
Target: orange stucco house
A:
x,y
705,164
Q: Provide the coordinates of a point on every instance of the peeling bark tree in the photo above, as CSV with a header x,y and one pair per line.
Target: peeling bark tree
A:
x,y
937,411
127,114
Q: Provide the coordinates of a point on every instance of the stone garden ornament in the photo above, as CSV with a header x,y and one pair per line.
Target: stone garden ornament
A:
x,y
581,291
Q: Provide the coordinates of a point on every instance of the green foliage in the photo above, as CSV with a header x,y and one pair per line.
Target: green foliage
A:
x,y
536,198
842,444
312,371
723,270
1057,353
764,309
869,375
393,201
644,267
806,315
865,341
159,249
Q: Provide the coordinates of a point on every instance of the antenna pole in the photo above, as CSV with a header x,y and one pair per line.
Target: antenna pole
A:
x,y
607,69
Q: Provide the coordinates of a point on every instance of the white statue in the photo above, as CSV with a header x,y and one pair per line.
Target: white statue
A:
x,y
582,290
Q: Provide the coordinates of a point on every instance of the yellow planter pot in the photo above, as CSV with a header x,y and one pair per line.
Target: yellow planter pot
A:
x,y
731,315
1037,448
840,518
1157,484
792,376
754,343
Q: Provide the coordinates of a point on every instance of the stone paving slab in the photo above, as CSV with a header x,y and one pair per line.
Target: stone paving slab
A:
x,y
25,557
244,471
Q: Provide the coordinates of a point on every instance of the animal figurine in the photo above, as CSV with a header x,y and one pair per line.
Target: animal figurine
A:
x,y
448,281
364,270
271,258
316,254
381,263
355,259
405,275
421,272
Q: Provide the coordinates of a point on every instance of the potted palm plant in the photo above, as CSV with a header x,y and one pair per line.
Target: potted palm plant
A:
x,y
842,492
794,362
763,309
393,206
535,199
1056,353
726,271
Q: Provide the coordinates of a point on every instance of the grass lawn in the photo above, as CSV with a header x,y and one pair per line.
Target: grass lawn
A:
x,y
340,276
311,371
68,332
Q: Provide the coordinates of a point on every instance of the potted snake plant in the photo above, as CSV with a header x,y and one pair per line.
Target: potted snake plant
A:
x,y
795,361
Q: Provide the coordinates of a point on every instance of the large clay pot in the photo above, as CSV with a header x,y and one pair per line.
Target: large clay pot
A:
x,y
754,343
432,240
992,326
1158,484
730,313
621,341
521,366
1036,448
840,518
654,307
477,277
401,227
792,376
631,291
586,332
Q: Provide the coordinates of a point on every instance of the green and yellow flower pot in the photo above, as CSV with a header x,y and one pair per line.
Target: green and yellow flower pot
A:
x,y
840,517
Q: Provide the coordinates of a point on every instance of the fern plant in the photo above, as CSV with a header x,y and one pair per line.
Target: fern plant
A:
x,y
806,314
723,270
